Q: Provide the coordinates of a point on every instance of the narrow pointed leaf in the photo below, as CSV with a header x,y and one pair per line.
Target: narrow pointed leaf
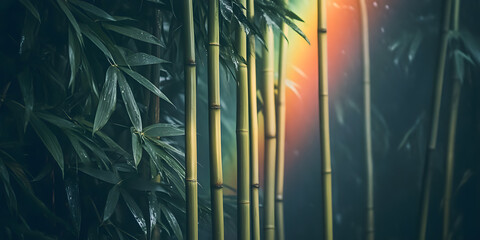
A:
x,y
49,140
140,184
96,40
73,199
92,9
141,59
130,103
134,33
111,204
135,210
74,53
146,83
26,87
137,148
163,130
172,221
31,9
105,176
82,154
108,98
71,18
153,209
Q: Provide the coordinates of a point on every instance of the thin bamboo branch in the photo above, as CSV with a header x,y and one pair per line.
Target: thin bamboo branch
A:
x,y
370,233
452,128
243,161
270,137
216,177
252,92
190,122
324,123
280,148
437,102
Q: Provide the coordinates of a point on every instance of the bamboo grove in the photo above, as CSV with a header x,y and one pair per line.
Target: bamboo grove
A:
x,y
105,111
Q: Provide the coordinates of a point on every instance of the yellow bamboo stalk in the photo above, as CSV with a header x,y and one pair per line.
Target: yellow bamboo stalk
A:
x,y
270,137
452,128
370,233
243,161
252,95
437,102
280,148
190,122
324,123
216,177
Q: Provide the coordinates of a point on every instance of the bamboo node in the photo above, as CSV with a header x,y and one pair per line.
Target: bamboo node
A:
x,y
191,180
279,198
217,186
322,30
191,63
243,202
242,130
213,44
270,136
256,185
214,106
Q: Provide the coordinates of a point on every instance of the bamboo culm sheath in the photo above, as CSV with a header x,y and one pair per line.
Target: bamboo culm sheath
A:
x,y
324,123
252,96
435,118
190,122
270,137
216,177
280,148
243,161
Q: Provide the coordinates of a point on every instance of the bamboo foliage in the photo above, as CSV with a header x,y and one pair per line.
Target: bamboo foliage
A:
x,y
243,161
190,122
270,137
437,101
324,123
370,233
280,148
216,177
253,130
456,90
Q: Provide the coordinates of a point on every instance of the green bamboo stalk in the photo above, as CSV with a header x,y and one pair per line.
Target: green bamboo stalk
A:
x,y
216,177
190,122
280,148
270,137
437,102
324,123
252,95
243,161
452,128
370,233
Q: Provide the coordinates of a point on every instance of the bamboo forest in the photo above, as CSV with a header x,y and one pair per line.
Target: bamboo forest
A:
x,y
240,119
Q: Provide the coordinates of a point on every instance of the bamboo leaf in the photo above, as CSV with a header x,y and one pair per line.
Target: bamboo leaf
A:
x,y
414,45
71,18
57,121
459,60
141,59
472,44
111,204
146,83
172,221
140,184
136,148
96,40
130,103
49,140
108,99
31,9
105,176
92,9
153,209
163,130
73,199
26,87
135,210
77,147
134,33
74,55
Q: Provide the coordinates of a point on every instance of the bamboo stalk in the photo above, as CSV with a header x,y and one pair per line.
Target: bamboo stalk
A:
x,y
370,233
432,145
216,177
252,92
452,128
280,148
243,161
270,137
324,123
190,122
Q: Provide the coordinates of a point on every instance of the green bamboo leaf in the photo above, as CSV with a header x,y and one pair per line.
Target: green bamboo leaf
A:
x,y
74,55
167,146
140,184
137,148
92,9
172,221
459,59
111,204
31,9
146,83
57,121
105,176
141,59
163,130
108,99
134,33
49,140
82,154
135,210
130,103
26,86
153,209
71,18
73,199
414,45
92,36
472,45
